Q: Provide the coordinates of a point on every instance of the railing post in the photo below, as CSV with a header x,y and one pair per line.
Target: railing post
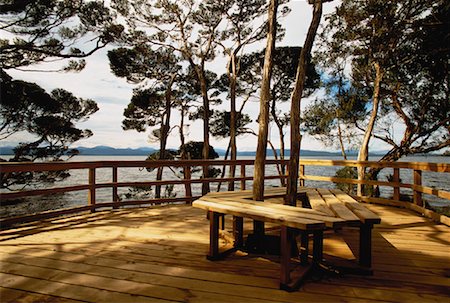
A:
x,y
232,174
417,196
205,184
301,174
243,176
396,179
114,189
91,194
187,186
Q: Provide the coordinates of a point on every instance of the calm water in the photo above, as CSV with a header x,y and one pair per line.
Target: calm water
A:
x,y
71,199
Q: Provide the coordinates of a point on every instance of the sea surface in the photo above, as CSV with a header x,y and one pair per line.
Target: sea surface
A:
x,y
71,199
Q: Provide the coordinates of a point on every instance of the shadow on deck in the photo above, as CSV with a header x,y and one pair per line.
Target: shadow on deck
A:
x,y
158,255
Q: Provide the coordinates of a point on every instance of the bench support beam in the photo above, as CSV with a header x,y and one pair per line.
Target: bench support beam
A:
x,y
238,231
365,245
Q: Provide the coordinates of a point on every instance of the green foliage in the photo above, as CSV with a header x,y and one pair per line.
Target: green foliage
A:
x,y
144,110
44,29
220,124
347,173
168,155
146,193
48,118
141,62
335,114
409,41
193,150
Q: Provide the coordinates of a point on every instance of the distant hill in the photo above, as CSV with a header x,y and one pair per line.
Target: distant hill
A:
x,y
144,151
110,151
97,151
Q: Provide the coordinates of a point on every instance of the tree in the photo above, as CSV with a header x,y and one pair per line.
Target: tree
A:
x,y
221,124
40,30
300,80
417,87
49,119
152,106
258,174
283,75
43,31
388,45
194,150
241,32
186,27
331,118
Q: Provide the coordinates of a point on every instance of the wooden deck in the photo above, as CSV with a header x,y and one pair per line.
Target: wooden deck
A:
x,y
158,255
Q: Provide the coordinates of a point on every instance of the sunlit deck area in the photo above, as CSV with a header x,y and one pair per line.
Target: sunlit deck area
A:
x,y
158,255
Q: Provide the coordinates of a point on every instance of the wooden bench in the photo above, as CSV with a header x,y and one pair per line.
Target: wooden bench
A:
x,y
335,202
332,209
291,219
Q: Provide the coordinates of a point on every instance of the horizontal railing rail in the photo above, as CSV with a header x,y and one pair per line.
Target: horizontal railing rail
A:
x,y
187,181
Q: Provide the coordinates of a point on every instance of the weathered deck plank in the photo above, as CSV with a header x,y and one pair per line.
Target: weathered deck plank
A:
x,y
158,254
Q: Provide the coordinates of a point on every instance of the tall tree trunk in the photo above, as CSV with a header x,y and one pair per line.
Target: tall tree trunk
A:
x,y
281,168
181,132
233,124
363,154
205,152
291,195
186,171
165,128
341,141
258,176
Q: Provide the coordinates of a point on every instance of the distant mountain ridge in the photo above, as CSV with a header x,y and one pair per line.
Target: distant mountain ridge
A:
x,y
111,151
144,151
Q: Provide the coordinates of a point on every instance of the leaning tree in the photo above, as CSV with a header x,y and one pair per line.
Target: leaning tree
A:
x,y
398,56
34,32
46,30
49,120
186,27
152,106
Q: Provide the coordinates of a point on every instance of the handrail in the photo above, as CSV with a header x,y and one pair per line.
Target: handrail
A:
x,y
416,167
6,167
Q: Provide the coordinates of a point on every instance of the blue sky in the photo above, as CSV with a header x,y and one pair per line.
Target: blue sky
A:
x,y
113,94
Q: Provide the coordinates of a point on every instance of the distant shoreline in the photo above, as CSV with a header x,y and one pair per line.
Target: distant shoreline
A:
x,y
145,151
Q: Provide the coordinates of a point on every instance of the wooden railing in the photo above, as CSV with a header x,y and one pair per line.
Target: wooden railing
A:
x,y
241,180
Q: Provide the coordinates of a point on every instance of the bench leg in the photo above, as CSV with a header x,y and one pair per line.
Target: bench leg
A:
x,y
238,231
318,246
286,241
213,235
365,245
292,281
304,247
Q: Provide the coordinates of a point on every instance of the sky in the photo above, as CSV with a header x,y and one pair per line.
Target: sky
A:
x,y
112,95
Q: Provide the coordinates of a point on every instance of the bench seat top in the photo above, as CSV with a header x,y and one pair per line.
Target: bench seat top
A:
x,y
280,209
260,213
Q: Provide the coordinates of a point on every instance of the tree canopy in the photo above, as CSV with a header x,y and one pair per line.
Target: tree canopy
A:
x,y
49,120
38,30
408,41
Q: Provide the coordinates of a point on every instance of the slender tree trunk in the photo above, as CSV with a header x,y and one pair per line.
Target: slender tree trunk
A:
x,y
341,141
181,132
205,152
165,128
363,154
227,152
291,195
281,168
275,155
186,171
233,124
258,176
